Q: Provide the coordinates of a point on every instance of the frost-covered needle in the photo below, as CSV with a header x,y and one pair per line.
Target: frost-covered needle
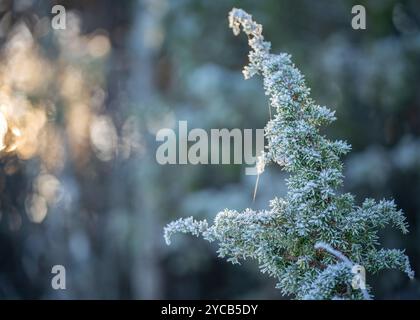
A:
x,y
260,165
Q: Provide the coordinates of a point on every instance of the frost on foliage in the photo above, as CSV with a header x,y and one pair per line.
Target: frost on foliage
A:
x,y
309,240
188,225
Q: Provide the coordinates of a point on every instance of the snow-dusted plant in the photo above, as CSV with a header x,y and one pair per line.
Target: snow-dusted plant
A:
x,y
311,239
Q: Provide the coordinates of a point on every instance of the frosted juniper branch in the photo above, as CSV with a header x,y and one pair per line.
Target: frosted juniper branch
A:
x,y
282,238
334,252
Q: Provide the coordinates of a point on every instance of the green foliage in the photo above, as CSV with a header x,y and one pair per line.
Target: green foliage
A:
x,y
311,239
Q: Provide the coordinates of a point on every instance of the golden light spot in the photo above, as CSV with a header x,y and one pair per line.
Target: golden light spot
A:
x,y
16,131
103,137
31,125
36,208
48,187
72,84
24,67
3,130
99,46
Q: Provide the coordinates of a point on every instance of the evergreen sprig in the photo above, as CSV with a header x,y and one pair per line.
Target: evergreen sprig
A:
x,y
310,239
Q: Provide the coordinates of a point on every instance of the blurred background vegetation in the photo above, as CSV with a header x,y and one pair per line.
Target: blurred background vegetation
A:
x,y
80,108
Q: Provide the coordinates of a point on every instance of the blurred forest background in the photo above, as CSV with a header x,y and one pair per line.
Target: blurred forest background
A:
x,y
80,108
